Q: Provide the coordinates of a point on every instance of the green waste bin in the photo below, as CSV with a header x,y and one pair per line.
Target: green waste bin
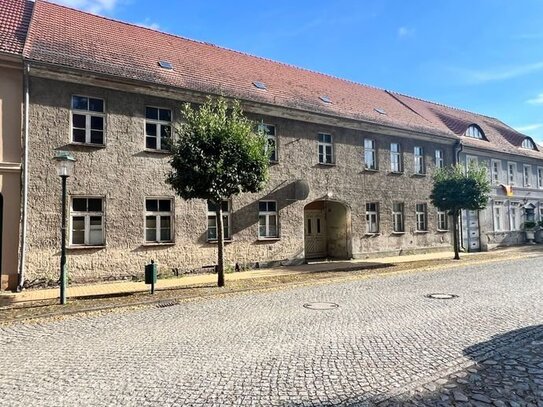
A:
x,y
150,275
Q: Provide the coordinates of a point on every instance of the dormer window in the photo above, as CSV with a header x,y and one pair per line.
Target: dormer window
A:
x,y
474,131
528,144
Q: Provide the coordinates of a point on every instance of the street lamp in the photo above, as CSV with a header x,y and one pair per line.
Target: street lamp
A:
x,y
65,167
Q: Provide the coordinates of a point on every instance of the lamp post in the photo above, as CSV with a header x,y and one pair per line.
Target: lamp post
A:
x,y
65,166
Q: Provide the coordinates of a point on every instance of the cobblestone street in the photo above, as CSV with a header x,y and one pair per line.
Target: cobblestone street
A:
x,y
387,343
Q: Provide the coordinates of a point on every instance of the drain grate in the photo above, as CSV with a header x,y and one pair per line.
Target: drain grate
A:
x,y
441,296
164,304
321,305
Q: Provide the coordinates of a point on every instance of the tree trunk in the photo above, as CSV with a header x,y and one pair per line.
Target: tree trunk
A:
x,y
220,246
456,238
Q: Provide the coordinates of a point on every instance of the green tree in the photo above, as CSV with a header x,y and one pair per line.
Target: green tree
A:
x,y
217,155
455,189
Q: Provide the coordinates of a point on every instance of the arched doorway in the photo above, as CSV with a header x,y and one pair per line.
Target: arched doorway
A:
x,y
327,230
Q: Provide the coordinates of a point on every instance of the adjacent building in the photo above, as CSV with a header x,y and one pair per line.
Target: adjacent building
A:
x,y
350,171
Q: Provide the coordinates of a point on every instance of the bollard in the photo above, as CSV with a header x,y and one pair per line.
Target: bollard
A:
x,y
150,275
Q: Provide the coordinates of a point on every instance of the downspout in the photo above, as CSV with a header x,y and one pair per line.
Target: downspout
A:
x,y
22,254
458,148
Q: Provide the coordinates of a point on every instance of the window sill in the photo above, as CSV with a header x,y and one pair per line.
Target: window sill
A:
x,y
268,239
274,162
83,247
419,175
371,170
91,145
421,232
163,152
396,172
372,234
327,164
397,233
442,230
215,241
153,244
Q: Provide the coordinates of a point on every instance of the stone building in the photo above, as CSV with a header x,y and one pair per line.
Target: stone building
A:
x,y
350,177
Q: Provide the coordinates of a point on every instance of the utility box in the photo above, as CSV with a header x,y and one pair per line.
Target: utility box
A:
x,y
150,275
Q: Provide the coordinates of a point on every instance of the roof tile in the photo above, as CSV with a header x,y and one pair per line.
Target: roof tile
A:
x,y
14,17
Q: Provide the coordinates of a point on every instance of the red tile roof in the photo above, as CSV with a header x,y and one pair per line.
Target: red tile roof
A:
x,y
500,136
14,17
73,39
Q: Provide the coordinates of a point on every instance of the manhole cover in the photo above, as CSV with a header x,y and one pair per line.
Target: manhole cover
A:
x,y
439,296
321,305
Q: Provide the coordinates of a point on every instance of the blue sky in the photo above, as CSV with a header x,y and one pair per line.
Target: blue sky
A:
x,y
484,56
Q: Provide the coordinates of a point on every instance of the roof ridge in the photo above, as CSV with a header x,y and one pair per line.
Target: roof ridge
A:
x,y
209,44
443,105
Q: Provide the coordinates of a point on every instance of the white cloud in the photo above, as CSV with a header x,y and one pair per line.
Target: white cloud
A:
x,y
499,74
538,100
404,32
148,24
529,127
92,6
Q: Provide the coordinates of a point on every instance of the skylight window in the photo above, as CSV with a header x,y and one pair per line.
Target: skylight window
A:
x,y
165,64
325,99
474,131
260,85
380,111
528,144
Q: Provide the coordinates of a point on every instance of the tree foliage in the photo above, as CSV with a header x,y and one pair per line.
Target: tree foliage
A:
x,y
455,189
216,155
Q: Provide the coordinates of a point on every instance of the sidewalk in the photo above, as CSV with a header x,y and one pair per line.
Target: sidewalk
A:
x,y
209,280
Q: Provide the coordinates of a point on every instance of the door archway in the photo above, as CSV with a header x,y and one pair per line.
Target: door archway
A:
x,y
327,230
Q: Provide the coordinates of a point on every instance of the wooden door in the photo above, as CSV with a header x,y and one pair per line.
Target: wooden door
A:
x,y
315,234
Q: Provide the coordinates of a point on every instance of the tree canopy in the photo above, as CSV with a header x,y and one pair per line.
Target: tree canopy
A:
x,y
456,189
217,154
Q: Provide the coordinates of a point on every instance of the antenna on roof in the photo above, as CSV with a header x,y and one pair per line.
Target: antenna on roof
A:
x,y
260,85
165,64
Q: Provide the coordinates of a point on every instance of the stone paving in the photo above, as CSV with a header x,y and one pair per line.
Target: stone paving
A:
x,y
386,343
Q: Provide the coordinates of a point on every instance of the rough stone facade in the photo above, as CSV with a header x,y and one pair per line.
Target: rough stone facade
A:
x,y
124,173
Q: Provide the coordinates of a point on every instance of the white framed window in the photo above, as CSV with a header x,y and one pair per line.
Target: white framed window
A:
x,y
495,170
87,221
440,158
511,173
498,216
372,217
212,220
529,144
326,149
370,158
471,161
474,132
514,215
527,175
421,214
398,217
540,178
395,157
267,219
88,120
271,138
419,160
158,128
159,220
442,220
